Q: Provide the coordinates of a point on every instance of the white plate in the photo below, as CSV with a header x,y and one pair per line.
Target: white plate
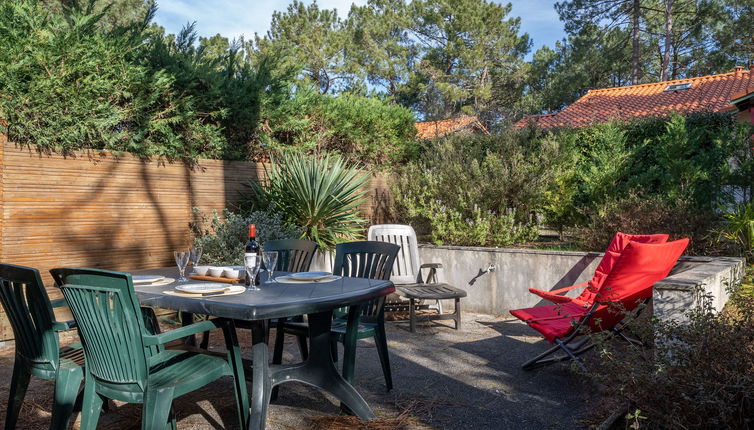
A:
x,y
288,280
201,288
309,276
146,279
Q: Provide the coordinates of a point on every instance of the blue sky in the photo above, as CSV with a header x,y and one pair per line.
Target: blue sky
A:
x,y
233,18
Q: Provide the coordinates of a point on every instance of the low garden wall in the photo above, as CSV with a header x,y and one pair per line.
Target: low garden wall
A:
x,y
506,286
516,270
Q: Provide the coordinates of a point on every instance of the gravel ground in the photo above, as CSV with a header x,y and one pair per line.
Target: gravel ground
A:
x,y
443,378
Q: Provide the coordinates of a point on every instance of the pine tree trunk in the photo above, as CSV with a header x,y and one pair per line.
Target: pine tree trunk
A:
x,y
668,40
635,12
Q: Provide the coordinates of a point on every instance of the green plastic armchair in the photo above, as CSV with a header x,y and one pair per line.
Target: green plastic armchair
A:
x,y
126,362
38,350
365,259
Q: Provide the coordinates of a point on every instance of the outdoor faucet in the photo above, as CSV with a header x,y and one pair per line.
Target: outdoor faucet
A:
x,y
490,268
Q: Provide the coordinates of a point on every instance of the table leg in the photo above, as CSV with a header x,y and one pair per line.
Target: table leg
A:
x,y
187,318
349,343
261,386
458,313
411,314
319,371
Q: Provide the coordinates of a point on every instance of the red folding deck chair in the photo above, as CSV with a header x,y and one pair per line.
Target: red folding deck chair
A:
x,y
614,250
628,285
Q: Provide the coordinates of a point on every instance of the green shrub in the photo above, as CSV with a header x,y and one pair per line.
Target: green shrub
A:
x,y
695,374
738,228
647,215
69,84
654,175
478,190
222,238
364,130
321,195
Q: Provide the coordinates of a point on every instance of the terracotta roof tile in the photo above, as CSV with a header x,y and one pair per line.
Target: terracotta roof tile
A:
x,y
434,129
711,93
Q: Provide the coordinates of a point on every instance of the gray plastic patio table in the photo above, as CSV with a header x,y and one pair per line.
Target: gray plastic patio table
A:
x,y
278,300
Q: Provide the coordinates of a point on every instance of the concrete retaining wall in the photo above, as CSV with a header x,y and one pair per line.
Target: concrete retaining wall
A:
x,y
517,270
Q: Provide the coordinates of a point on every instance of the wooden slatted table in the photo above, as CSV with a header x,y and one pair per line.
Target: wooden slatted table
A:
x,y
433,292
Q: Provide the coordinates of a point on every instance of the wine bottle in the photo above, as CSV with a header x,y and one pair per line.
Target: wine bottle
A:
x,y
252,248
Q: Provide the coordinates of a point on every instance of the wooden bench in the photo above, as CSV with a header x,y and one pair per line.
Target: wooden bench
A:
x,y
432,292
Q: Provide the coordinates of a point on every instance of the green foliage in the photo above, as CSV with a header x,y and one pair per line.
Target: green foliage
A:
x,y
640,177
590,58
479,190
222,238
738,228
78,77
649,214
471,58
645,175
314,39
688,158
68,84
363,130
697,373
320,194
439,58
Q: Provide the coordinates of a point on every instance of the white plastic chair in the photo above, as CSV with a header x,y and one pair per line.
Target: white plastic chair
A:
x,y
407,270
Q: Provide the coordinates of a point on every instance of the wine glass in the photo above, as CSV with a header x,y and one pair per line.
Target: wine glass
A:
x,y
270,259
196,254
181,259
251,263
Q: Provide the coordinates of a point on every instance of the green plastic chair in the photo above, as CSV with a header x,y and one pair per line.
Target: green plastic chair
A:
x,y
127,363
294,255
366,259
373,260
38,350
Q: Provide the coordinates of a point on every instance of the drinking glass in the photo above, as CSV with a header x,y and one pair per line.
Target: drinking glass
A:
x,y
270,259
196,254
252,263
181,259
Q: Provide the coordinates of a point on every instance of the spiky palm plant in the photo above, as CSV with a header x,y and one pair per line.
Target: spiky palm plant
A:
x,y
738,227
320,194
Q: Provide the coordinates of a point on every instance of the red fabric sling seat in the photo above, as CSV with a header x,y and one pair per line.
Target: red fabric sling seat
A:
x,y
630,281
613,252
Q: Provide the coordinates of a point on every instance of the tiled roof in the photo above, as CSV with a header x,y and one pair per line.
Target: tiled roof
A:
x,y
711,93
433,129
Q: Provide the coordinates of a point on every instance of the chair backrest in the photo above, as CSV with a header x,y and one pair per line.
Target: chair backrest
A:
x,y
27,306
110,323
366,259
407,263
639,267
612,254
294,255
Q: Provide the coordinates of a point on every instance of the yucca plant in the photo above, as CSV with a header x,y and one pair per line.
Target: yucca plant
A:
x,y
320,194
738,227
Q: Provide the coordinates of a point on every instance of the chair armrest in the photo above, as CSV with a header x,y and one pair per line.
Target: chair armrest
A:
x,y
432,275
162,338
63,325
59,303
563,290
